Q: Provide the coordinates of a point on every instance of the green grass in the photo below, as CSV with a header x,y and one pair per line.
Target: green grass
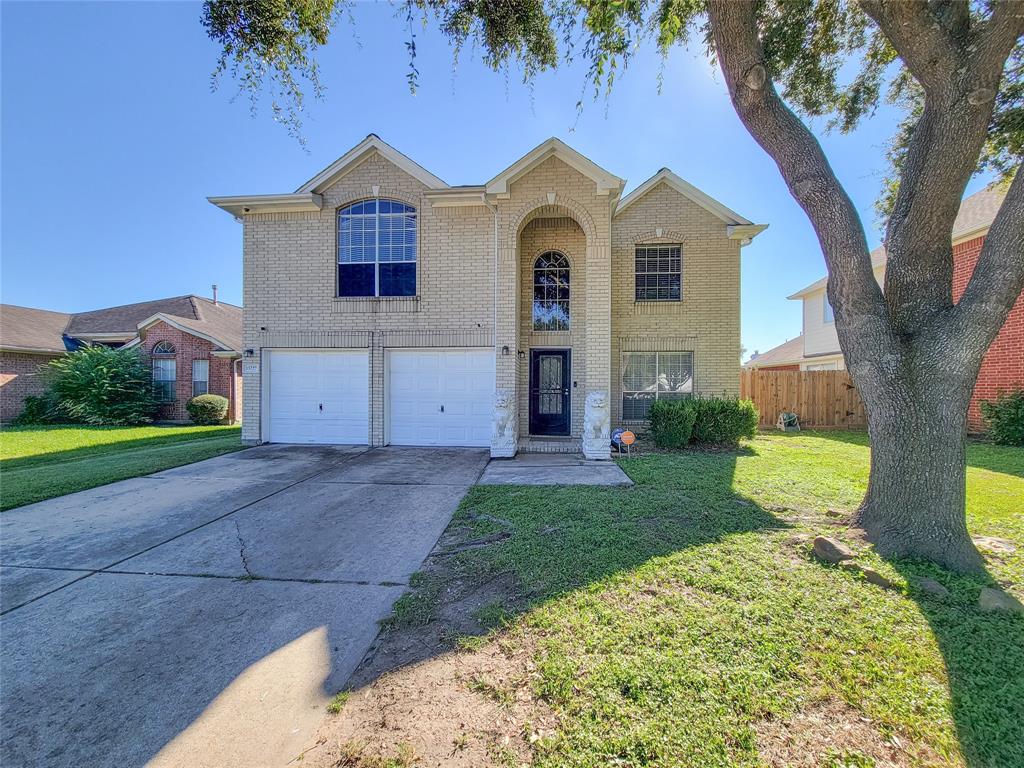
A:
x,y
670,619
38,463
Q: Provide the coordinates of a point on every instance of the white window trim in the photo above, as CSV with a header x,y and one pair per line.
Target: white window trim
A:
x,y
376,246
159,365
828,315
657,371
205,381
533,291
646,246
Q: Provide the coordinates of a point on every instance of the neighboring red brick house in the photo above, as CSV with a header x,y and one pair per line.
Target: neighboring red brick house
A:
x,y
193,344
1002,370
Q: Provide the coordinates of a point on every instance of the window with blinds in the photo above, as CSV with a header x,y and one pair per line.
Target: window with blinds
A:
x,y
659,272
377,249
650,376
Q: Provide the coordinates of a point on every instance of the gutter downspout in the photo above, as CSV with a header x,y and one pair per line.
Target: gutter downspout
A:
x,y
235,373
494,298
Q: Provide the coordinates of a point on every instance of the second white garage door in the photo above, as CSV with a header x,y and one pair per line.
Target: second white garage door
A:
x,y
319,396
440,396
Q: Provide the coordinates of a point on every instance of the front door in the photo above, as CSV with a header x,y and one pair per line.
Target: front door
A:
x,y
549,392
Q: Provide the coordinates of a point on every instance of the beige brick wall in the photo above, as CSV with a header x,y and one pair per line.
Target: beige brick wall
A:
x,y
290,275
707,319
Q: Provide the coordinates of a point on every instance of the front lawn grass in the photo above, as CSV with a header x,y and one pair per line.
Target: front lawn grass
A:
x,y
684,622
38,463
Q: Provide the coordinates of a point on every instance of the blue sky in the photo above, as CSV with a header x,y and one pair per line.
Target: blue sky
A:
x,y
113,139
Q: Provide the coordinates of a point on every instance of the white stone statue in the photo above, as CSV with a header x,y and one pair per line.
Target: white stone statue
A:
x,y
596,425
503,438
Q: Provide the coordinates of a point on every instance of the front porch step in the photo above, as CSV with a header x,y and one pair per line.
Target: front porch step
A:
x,y
550,445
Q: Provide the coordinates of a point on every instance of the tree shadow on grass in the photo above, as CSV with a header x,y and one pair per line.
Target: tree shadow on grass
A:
x,y
512,548
984,658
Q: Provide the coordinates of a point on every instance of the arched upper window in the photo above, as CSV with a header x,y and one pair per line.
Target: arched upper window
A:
x,y
377,249
551,292
163,348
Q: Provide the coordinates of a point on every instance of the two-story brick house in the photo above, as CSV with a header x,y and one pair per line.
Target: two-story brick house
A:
x,y
534,311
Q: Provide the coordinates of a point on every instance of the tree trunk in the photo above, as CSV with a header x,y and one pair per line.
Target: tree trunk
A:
x,y
914,507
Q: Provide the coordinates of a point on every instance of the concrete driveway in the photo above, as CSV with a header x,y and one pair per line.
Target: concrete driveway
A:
x,y
204,615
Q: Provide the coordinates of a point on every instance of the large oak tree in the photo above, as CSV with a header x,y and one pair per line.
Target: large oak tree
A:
x,y
957,69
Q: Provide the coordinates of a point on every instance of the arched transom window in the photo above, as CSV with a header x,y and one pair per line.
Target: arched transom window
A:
x,y
377,249
551,292
163,348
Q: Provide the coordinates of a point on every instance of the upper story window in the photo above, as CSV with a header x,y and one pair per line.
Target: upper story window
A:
x,y
659,272
551,292
163,348
377,249
828,315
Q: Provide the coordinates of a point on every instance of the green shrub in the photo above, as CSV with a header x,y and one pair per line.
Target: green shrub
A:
x,y
1005,418
671,422
41,409
100,385
207,409
723,421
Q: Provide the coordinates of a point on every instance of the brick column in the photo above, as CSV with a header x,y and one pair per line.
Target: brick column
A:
x,y
597,406
505,431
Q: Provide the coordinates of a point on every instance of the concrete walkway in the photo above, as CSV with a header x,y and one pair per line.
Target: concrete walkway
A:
x,y
553,469
203,616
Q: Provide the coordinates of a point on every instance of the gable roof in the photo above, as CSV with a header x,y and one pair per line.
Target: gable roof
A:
x,y
32,330
976,214
372,143
607,183
687,190
220,323
41,330
124,320
787,352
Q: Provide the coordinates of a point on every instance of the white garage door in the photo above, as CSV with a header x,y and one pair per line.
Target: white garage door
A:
x,y
319,396
440,397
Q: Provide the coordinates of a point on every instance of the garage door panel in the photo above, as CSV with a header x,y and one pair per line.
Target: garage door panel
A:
x,y
421,381
319,396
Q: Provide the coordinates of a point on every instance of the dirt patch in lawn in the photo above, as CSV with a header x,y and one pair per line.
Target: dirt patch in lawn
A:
x,y
832,733
434,689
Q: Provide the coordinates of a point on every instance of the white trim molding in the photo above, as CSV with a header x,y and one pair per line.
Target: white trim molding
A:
x,y
242,205
456,197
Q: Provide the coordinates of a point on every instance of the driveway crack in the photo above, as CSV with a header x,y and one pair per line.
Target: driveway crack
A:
x,y
241,550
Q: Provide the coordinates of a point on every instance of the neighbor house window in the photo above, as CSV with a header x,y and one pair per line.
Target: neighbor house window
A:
x,y
377,249
200,377
165,371
551,292
829,316
650,376
659,272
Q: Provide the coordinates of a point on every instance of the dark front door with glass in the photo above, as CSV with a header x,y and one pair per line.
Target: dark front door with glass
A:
x,y
549,392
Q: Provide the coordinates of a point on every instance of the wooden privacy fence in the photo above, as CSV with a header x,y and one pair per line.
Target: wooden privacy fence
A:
x,y
822,399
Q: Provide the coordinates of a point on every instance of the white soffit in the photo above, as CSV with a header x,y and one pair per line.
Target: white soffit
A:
x,y
240,205
357,154
607,183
